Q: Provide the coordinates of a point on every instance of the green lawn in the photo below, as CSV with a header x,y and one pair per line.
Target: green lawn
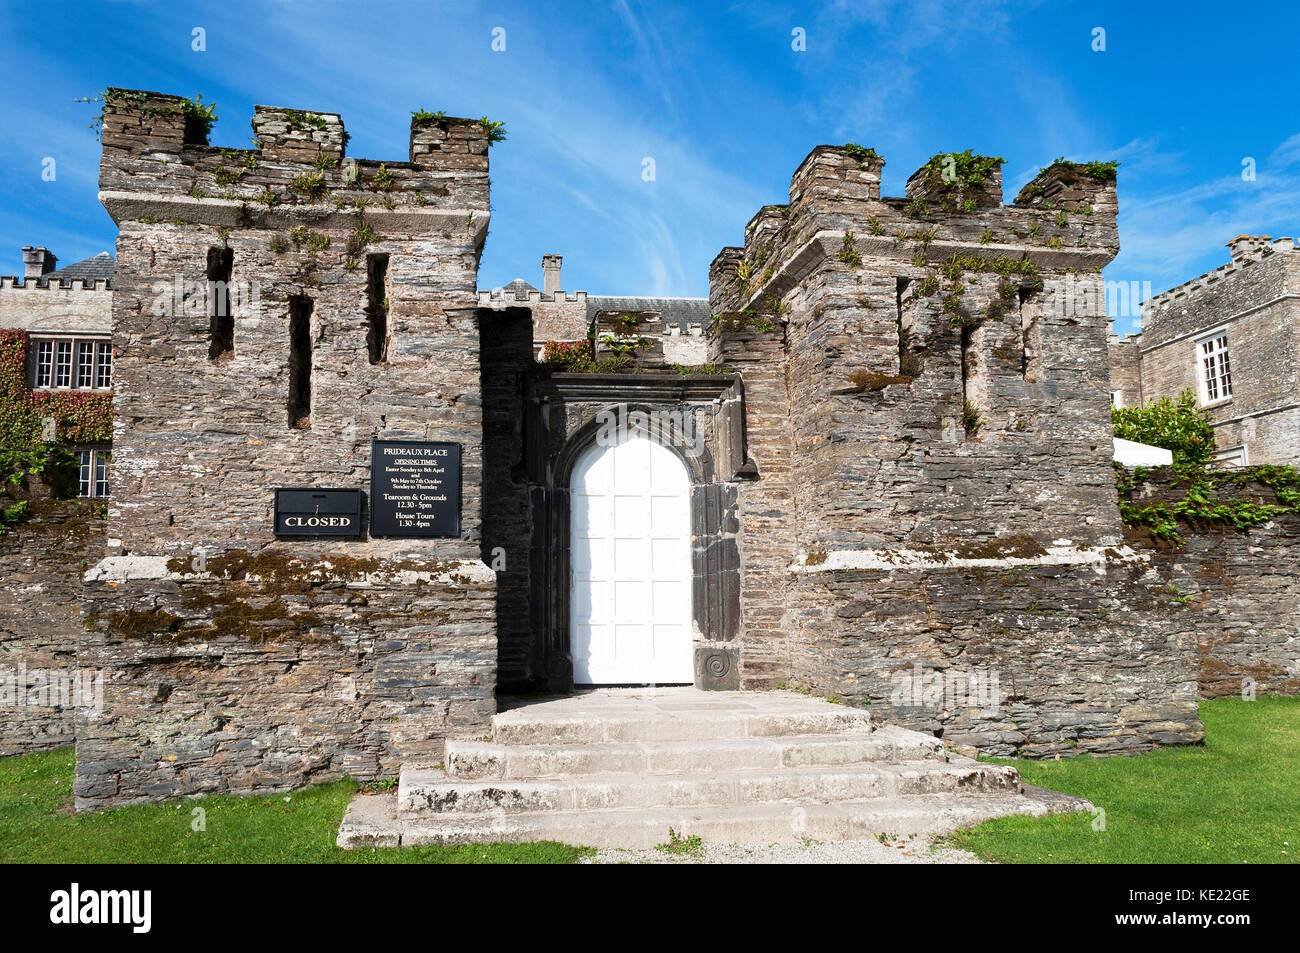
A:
x,y
36,826
1235,800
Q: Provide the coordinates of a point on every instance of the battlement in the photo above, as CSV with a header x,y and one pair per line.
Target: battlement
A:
x,y
1063,220
1247,251
11,282
502,298
154,145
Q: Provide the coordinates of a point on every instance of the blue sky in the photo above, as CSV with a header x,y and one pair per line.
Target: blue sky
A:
x,y
716,95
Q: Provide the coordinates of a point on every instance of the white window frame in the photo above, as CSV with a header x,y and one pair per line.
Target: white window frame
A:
x,y
1233,457
1215,386
92,471
1117,399
65,361
43,369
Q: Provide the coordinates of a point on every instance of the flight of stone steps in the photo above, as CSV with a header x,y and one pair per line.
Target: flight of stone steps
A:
x,y
619,767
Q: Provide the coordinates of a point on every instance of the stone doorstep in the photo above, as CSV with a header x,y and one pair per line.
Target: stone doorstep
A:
x,y
429,792
671,715
373,821
471,760
618,768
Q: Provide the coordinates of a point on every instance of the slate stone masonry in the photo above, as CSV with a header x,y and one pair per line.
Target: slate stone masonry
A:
x,y
234,661
950,513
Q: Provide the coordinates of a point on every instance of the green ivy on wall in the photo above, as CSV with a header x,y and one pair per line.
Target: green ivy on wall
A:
x,y
80,417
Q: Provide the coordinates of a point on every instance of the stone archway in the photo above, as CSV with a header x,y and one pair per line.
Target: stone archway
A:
x,y
630,590
569,423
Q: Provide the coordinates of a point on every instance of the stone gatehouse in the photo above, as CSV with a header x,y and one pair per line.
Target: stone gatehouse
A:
x,y
882,472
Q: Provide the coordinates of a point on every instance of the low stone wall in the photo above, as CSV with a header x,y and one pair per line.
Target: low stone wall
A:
x,y
1242,588
263,672
41,561
1015,652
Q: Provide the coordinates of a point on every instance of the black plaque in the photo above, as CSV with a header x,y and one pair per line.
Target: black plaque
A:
x,y
317,511
414,488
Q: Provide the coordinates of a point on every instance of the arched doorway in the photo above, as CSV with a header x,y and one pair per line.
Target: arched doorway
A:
x,y
630,619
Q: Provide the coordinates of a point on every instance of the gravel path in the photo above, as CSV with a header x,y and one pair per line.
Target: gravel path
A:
x,y
898,851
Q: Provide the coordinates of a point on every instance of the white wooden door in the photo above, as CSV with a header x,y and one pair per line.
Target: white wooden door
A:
x,y
630,556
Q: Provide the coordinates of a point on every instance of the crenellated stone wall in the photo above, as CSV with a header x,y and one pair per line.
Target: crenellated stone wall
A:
x,y
233,660
944,503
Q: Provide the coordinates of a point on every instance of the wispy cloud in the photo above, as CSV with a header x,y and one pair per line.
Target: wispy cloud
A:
x,y
1173,229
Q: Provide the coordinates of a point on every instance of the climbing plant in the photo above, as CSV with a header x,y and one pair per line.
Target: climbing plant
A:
x,y
26,449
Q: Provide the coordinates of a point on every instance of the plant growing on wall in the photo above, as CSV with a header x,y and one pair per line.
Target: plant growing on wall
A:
x,y
1181,427
199,116
496,131
25,450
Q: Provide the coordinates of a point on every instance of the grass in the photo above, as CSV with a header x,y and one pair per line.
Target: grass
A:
x,y
36,826
1232,801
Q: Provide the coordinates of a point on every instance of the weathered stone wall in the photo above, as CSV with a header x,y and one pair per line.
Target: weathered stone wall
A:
x,y
1126,370
235,661
230,412
767,502
887,348
946,507
266,671
41,561
557,316
1242,588
1255,298
80,306
1036,656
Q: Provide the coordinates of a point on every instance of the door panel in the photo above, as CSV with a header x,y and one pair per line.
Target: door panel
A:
x,y
630,552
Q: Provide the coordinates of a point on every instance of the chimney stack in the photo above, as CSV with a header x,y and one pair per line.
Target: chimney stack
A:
x,y
37,262
551,273
1243,246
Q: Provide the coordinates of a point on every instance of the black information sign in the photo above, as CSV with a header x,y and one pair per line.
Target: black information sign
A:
x,y
316,511
414,488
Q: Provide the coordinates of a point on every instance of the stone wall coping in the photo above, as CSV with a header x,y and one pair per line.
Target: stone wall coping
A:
x,y
406,220
1216,323
827,242
116,569
1061,553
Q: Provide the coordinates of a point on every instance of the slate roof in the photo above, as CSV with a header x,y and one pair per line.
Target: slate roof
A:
x,y
98,267
519,288
691,312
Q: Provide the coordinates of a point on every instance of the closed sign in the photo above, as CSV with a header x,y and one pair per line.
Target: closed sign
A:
x,y
317,512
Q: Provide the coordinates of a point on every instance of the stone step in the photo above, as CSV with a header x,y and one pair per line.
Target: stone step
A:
x,y
477,760
431,792
374,821
536,725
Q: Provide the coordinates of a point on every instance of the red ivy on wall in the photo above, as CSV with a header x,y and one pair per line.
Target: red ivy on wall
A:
x,y
80,416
